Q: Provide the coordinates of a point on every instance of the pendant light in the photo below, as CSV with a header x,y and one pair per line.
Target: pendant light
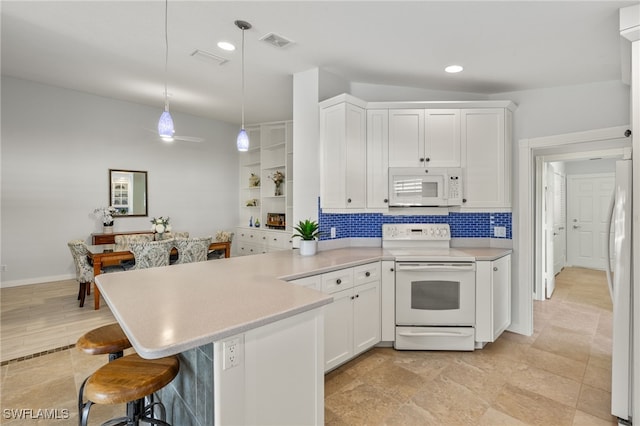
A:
x,y
165,124
242,141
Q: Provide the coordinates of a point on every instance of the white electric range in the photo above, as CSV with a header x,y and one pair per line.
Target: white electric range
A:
x,y
435,288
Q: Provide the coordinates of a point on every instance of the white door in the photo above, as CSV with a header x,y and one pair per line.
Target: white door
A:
x,y
559,222
589,197
547,223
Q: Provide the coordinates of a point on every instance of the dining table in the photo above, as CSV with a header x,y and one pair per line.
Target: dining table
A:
x,y
112,254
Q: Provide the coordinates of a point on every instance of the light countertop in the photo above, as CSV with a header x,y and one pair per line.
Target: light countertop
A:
x,y
168,310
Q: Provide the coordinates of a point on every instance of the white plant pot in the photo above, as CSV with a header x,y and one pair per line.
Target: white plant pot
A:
x,y
308,247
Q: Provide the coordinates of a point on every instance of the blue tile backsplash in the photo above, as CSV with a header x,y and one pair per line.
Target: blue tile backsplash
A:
x,y
369,225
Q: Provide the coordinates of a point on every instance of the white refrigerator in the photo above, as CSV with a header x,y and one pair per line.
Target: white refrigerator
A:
x,y
620,279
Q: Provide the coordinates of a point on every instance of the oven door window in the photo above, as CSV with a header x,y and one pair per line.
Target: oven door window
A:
x,y
435,295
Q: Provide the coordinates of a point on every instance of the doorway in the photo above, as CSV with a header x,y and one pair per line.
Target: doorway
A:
x,y
529,272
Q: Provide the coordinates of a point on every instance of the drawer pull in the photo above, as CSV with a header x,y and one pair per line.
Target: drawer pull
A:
x,y
367,274
338,281
495,268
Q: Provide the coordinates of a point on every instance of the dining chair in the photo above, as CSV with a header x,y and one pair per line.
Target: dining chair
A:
x,y
84,269
192,249
170,235
126,240
221,236
151,254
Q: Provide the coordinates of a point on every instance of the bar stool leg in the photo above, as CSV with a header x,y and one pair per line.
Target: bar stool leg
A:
x,y
83,408
115,355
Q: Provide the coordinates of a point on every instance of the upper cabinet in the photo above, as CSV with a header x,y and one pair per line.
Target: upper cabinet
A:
x,y
343,154
424,138
486,159
377,158
360,141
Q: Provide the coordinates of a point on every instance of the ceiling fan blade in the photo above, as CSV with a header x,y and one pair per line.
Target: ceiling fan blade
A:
x,y
189,139
180,138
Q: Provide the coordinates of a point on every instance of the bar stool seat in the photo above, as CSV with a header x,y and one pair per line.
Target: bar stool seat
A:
x,y
109,339
129,380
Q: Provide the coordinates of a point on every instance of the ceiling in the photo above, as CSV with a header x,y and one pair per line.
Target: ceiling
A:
x,y
116,49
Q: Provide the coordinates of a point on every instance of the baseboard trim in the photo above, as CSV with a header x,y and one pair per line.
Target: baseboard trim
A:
x,y
37,280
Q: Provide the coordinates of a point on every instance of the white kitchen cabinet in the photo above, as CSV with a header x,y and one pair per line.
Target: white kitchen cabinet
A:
x,y
388,301
486,163
377,159
343,153
352,321
493,298
424,138
248,240
338,329
406,137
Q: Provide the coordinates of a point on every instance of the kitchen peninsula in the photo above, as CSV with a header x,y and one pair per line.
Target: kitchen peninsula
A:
x,y
206,310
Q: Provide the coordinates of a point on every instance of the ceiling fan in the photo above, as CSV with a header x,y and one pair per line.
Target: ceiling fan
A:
x,y
181,138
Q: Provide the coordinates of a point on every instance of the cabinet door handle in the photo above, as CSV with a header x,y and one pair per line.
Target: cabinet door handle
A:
x,y
386,200
427,159
348,200
367,274
338,281
352,297
495,268
422,160
391,270
357,295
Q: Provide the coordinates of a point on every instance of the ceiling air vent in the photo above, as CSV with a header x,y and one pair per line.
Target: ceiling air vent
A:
x,y
276,40
209,57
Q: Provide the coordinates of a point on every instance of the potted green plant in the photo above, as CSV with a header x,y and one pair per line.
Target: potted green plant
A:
x,y
308,231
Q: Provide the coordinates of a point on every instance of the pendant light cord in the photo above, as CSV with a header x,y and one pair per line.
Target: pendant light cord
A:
x,y
243,78
166,54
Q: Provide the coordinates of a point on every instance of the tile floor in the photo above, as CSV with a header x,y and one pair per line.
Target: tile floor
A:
x,y
558,376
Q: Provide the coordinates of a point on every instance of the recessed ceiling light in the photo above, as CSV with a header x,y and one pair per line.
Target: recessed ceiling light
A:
x,y
453,69
225,45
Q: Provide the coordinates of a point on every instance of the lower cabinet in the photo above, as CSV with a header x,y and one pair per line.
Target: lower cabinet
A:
x,y
388,301
352,321
493,298
255,241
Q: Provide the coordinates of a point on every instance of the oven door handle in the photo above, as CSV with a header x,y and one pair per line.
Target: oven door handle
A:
x,y
434,334
444,267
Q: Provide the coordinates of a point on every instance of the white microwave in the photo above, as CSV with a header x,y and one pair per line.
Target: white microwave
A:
x,y
425,187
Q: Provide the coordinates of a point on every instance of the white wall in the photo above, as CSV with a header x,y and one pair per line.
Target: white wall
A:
x,y
57,147
568,109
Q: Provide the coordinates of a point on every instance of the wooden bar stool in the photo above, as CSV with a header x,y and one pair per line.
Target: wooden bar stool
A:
x,y
108,339
129,380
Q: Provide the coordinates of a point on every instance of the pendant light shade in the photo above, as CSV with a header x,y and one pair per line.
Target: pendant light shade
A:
x,y
242,141
165,124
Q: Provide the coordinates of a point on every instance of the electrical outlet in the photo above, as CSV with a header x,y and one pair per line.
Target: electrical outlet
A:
x,y
333,232
499,231
232,353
